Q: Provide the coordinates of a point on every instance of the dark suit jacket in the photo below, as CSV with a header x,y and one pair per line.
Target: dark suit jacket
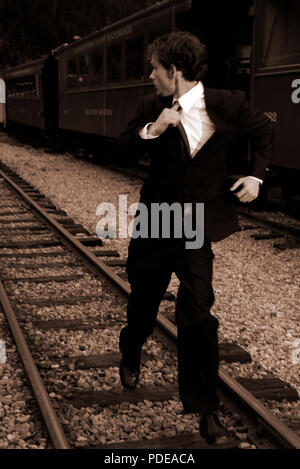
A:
x,y
175,177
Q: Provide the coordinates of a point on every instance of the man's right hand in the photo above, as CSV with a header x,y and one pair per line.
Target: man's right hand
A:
x,y
169,116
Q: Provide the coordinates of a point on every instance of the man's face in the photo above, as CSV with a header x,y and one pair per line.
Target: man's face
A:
x,y
164,85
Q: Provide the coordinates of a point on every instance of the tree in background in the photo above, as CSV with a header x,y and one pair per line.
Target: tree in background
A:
x,y
32,28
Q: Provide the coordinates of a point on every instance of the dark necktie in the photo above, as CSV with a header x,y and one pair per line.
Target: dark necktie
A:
x,y
181,128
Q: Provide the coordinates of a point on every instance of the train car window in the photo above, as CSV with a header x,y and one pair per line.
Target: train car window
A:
x,y
83,70
22,88
281,33
114,63
29,87
72,73
135,59
97,67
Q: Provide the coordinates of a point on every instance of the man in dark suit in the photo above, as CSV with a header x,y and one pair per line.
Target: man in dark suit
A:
x,y
186,130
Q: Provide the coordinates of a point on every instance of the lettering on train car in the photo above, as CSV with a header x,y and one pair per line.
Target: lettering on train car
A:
x,y
98,112
271,115
296,93
24,71
106,38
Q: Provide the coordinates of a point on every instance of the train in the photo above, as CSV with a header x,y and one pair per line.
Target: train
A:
x,y
91,87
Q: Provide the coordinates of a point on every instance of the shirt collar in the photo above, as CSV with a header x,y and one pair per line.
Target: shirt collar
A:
x,y
188,99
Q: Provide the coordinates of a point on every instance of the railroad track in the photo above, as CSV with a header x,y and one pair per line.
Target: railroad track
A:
x,y
290,234
54,241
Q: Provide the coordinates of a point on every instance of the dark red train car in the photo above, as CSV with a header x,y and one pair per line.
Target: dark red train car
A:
x,y
275,83
104,75
31,93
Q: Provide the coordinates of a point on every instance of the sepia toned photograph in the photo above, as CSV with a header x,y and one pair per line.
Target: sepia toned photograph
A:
x,y
149,228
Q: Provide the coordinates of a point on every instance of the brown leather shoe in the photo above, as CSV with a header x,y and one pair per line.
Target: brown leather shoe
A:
x,y
129,378
211,429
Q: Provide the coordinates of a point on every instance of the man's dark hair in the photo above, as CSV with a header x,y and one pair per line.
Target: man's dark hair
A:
x,y
182,49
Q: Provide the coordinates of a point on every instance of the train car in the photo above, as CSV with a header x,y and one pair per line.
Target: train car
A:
x,y
2,102
103,76
275,85
31,94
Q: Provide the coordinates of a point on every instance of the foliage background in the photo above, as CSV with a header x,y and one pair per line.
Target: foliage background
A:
x,y
32,28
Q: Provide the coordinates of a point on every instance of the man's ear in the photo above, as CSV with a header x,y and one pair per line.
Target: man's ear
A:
x,y
172,72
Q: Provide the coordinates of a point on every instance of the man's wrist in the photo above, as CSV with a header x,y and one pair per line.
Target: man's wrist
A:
x,y
145,134
151,131
260,181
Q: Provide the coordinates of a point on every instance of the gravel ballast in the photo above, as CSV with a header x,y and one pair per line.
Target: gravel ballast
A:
x,y
256,286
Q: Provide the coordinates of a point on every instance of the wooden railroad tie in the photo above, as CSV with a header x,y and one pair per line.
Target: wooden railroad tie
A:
x,y
75,324
18,220
83,362
116,262
44,279
31,244
98,253
183,440
111,358
231,352
68,300
289,244
87,241
79,399
248,227
270,235
20,255
16,212
105,398
32,228
269,388
51,265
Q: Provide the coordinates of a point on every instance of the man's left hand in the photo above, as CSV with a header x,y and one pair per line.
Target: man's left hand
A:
x,y
249,190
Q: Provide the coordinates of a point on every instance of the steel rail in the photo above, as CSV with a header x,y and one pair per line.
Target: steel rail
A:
x,y
50,417
287,437
276,226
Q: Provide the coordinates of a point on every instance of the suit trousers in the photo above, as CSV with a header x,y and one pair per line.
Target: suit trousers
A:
x,y
150,266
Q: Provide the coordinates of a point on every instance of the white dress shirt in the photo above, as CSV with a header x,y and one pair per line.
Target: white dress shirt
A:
x,y
196,122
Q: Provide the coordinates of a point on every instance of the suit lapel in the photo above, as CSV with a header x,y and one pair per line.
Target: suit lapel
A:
x,y
215,110
214,107
177,132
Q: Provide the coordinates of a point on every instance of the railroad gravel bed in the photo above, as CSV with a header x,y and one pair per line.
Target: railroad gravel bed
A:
x,y
20,423
35,290
42,271
33,251
256,291
104,308
117,423
10,237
